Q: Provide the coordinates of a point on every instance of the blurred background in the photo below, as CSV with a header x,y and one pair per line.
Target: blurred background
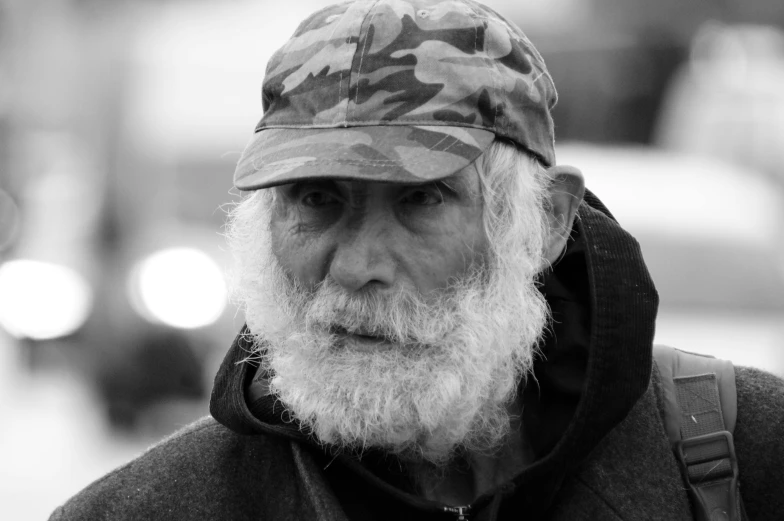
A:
x,y
121,122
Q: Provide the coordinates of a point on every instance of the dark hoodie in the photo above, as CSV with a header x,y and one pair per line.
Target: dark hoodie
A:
x,y
592,413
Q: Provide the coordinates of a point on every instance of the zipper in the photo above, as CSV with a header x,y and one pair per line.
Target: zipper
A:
x,y
461,512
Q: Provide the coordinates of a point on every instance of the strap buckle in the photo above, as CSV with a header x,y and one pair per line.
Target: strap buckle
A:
x,y
711,470
462,513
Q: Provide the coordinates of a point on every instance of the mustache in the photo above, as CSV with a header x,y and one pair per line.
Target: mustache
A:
x,y
401,315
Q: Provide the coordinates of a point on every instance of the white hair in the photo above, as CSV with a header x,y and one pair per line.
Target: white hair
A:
x,y
513,182
474,344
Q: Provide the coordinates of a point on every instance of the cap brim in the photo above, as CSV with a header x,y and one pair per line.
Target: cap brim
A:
x,y
391,153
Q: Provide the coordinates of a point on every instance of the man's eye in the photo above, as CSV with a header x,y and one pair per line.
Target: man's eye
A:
x,y
424,197
316,199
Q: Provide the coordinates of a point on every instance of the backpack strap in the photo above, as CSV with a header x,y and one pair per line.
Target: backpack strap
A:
x,y
700,409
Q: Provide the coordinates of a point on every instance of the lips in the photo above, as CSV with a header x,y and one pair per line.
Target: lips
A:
x,y
359,340
358,333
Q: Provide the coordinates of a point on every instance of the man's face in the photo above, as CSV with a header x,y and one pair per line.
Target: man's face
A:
x,y
385,313
379,237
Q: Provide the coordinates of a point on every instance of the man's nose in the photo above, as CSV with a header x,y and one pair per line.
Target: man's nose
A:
x,y
364,258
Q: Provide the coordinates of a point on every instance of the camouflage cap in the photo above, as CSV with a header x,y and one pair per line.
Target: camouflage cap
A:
x,y
397,90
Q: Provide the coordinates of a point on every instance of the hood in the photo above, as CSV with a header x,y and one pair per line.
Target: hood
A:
x,y
595,364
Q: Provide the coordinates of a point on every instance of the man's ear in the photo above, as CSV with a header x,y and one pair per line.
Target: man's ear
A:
x,y
566,193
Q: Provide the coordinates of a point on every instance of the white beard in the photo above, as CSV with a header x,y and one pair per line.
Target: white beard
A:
x,y
452,364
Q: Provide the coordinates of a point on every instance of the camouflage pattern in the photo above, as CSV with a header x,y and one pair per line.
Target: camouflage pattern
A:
x,y
397,90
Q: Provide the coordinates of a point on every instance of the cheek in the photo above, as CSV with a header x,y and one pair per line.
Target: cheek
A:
x,y
466,239
302,255
459,243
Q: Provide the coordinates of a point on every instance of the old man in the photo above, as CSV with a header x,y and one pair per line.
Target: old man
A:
x,y
442,323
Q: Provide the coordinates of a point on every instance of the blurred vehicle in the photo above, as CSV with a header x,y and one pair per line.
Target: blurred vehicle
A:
x,y
727,100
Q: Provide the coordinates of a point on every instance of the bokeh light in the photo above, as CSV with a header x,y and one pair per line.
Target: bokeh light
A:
x,y
41,301
179,287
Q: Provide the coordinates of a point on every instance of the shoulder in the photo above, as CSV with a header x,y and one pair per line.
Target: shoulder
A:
x,y
197,473
760,407
761,387
759,441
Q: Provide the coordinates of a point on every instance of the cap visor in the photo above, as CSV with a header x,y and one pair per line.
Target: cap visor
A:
x,y
393,153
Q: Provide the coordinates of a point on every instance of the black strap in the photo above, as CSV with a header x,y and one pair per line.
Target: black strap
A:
x,y
699,431
706,452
